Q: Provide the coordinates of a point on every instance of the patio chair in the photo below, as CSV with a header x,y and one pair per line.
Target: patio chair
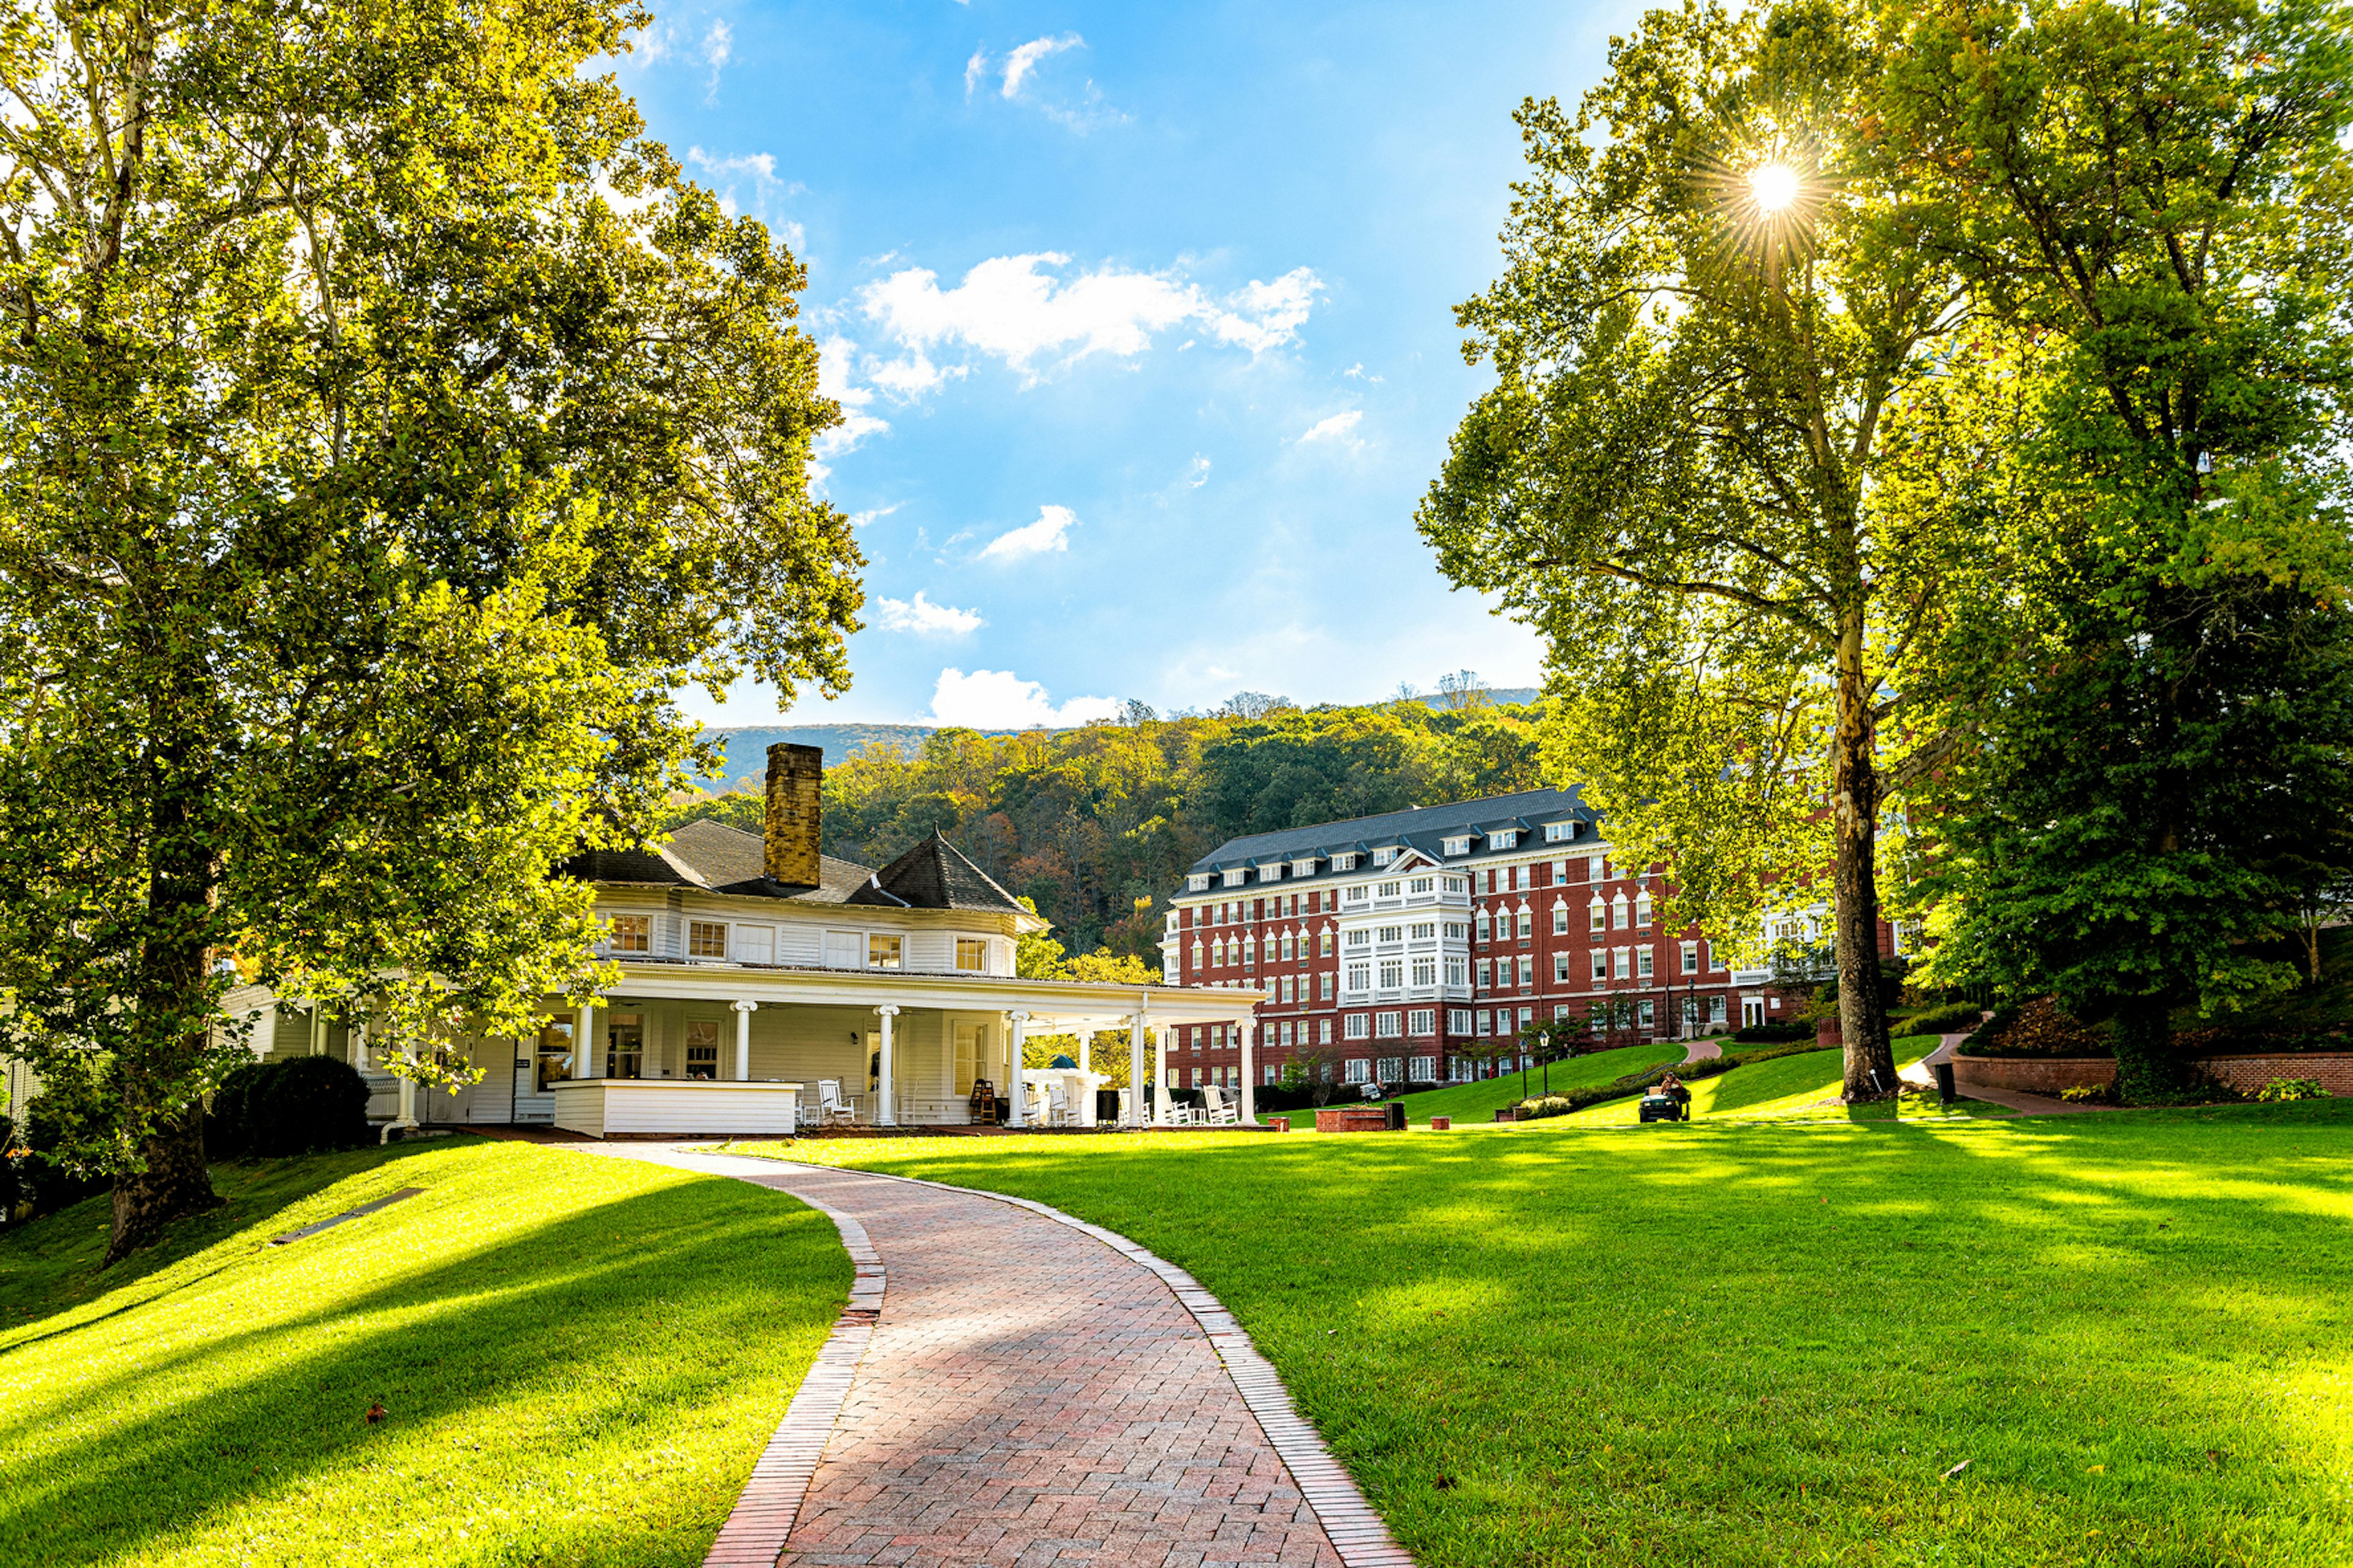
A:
x,y
1216,1109
832,1109
1059,1111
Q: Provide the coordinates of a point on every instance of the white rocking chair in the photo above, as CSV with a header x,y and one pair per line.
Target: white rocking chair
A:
x,y
832,1109
1218,1110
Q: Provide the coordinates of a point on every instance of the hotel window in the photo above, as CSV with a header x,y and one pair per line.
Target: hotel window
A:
x,y
1359,1026
1249,950
1504,838
1197,955
1286,945
1457,931
1716,1010
1234,879
1359,1070
1483,1020
1357,894
1625,963
1457,846
1642,912
1288,996
701,1049
883,952
1601,966
1483,925
1323,1032
1458,1020
1560,966
1600,915
1618,912
1424,1069
1560,920
972,953
1421,1021
1324,985
1421,885
1691,958
1644,966
1426,931
1528,1017
1360,978
1392,933
1456,969
1324,945
1360,937
1303,867
631,934
1649,1016
625,1046
1218,953
1388,1025
1485,976
1218,1036
1527,921
1392,973
1528,969
1425,972
1386,891
1559,832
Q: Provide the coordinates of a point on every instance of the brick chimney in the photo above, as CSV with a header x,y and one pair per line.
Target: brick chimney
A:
x,y
795,781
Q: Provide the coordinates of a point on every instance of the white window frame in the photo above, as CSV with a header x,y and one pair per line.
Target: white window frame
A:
x,y
1388,1025
1421,1022
1359,1026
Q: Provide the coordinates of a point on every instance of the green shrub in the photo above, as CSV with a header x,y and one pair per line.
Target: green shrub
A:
x,y
1790,1029
226,1133
2287,1089
54,1183
13,1191
1950,1018
2088,1094
303,1103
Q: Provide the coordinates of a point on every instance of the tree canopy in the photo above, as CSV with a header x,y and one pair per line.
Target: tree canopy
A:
x,y
387,431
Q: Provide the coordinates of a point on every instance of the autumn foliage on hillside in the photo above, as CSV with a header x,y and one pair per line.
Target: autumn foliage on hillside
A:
x,y
1098,824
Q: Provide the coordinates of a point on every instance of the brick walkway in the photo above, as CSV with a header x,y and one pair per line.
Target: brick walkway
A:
x,y
1035,1392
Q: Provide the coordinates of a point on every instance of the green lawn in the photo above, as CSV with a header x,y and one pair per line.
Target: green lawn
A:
x,y
1770,1342
578,1358
1480,1101
1805,1085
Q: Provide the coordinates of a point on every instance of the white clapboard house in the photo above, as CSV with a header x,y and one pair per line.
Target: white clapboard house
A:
x,y
764,986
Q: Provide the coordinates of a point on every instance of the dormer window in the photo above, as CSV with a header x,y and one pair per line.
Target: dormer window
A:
x,y
1197,882
1383,857
1504,838
1559,832
1458,846
1271,873
1305,867
1234,877
1343,862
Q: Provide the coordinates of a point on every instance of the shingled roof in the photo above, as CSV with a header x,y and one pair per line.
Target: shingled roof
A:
x,y
937,875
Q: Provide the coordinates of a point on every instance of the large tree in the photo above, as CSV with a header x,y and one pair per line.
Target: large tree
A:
x,y
2154,205
1713,303
387,433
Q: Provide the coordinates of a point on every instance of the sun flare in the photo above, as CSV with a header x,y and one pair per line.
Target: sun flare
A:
x,y
1773,186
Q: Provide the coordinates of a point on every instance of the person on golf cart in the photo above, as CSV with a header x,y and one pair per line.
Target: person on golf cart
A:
x,y
1672,1087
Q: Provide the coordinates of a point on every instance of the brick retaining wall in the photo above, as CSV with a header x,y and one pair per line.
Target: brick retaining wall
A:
x,y
2248,1074
1372,1119
2033,1075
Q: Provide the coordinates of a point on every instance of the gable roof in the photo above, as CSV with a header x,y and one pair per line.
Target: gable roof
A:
x,y
934,874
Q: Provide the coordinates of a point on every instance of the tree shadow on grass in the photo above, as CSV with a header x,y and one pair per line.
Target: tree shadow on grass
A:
x,y
545,1349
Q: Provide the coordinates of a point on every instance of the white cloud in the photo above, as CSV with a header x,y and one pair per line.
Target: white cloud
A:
x,y
1340,429
909,378
718,45
1049,532
1198,474
924,618
835,358
1359,370
761,165
1024,58
974,70
1000,699
726,175
1014,308
860,519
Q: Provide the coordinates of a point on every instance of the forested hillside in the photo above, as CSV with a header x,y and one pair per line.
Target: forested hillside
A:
x,y
1092,823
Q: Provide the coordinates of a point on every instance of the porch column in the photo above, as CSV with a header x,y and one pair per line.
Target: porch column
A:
x,y
744,1011
1250,1073
1160,1074
584,1030
407,1117
1016,1034
318,1030
887,1113
1086,1050
1135,1113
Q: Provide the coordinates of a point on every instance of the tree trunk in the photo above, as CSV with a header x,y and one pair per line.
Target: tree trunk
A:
x,y
1855,809
2150,1068
173,1183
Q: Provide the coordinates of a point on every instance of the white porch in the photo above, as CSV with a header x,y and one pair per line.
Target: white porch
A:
x,y
722,1048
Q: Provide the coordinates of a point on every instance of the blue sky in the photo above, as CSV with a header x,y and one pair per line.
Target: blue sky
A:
x,y
1142,314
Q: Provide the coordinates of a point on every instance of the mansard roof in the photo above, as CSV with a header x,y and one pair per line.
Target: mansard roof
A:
x,y
1425,828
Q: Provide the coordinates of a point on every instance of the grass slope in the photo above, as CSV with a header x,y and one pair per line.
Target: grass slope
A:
x,y
1770,1342
1480,1101
580,1358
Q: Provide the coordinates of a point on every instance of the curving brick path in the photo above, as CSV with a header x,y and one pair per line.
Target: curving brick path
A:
x,y
1033,1390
